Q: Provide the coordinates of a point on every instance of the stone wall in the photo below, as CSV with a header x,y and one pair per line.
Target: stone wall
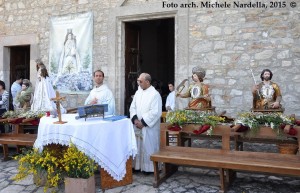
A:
x,y
227,42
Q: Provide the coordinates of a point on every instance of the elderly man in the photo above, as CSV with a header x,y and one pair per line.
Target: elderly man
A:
x,y
266,95
101,94
145,111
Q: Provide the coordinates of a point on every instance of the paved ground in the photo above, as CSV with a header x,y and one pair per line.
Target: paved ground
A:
x,y
193,180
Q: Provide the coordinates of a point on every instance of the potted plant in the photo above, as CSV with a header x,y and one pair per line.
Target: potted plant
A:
x,y
44,165
79,170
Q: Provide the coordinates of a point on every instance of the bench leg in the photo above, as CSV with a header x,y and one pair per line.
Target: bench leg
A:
x,y
189,142
238,145
5,152
156,175
230,176
223,184
241,144
168,170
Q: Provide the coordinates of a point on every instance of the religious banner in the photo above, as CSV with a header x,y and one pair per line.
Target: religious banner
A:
x,y
70,52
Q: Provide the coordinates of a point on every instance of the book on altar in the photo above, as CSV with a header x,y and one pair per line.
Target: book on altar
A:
x,y
114,118
96,110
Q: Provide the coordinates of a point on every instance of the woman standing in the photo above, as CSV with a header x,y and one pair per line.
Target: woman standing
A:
x,y
4,103
3,96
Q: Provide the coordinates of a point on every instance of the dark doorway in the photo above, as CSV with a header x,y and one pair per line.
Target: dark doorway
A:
x,y
149,47
19,63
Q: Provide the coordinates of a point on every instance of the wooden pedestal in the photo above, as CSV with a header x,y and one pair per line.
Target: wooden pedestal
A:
x,y
108,182
279,110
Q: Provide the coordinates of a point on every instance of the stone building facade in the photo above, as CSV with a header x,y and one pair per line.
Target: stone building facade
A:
x,y
225,41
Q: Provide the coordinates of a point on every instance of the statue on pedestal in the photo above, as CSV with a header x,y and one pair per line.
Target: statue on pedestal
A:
x,y
198,91
266,95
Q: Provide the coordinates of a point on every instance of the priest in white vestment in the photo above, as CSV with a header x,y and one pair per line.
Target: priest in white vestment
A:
x,y
101,94
145,112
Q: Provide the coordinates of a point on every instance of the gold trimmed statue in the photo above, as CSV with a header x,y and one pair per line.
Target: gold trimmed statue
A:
x,y
198,91
266,95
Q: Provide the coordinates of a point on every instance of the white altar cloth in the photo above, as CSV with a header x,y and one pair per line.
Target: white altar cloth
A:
x,y
110,144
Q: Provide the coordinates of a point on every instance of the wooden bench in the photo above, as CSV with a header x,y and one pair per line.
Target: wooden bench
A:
x,y
17,137
265,135
225,159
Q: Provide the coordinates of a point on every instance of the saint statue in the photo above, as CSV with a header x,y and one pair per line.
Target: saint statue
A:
x,y
266,95
198,91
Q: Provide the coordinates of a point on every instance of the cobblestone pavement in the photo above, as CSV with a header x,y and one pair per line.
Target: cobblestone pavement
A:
x,y
193,180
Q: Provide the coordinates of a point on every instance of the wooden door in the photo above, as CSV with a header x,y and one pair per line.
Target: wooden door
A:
x,y
19,64
132,66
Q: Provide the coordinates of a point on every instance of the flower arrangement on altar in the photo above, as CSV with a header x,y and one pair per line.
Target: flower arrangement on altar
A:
x,y
253,121
76,164
43,165
207,120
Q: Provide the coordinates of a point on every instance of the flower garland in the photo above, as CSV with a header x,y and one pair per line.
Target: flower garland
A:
x,y
23,114
207,120
253,121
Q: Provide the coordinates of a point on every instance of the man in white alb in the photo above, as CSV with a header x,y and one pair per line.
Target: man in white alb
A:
x,y
101,94
145,111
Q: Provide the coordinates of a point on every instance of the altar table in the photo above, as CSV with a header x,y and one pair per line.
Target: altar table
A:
x,y
109,143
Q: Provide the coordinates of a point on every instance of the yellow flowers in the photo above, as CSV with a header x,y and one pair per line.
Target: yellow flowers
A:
x,y
34,162
55,162
77,164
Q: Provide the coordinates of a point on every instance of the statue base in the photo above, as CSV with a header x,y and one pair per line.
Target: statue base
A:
x,y
208,109
60,122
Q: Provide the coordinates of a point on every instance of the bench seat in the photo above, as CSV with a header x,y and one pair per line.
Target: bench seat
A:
x,y
16,139
215,158
227,161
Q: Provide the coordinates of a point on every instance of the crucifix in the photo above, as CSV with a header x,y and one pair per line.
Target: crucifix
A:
x,y
57,100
